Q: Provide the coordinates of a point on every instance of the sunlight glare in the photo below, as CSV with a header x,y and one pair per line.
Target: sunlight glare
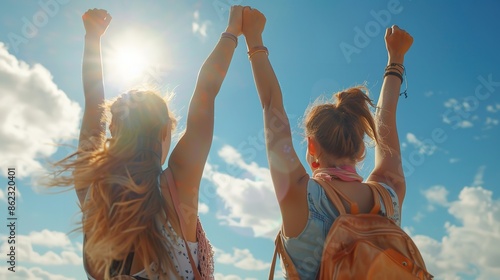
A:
x,y
130,63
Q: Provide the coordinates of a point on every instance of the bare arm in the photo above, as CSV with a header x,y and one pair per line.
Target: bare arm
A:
x,y
289,176
388,165
190,154
95,21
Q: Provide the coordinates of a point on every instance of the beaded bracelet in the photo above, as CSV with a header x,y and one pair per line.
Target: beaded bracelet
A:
x,y
230,36
257,49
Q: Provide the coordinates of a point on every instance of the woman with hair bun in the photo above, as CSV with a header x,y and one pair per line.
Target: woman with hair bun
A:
x,y
132,224
335,132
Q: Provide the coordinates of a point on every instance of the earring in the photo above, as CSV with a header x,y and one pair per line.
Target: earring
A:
x,y
315,164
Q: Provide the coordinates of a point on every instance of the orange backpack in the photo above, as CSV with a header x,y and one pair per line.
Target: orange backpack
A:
x,y
362,246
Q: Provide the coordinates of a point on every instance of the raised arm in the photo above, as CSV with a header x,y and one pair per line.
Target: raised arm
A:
x,y
190,154
288,175
388,165
95,21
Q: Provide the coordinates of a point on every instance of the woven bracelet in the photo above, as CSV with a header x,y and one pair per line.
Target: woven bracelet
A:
x,y
394,73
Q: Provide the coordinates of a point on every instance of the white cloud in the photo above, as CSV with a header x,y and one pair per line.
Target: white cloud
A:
x,y
493,108
247,194
459,124
454,160
34,114
464,124
437,195
4,193
240,258
490,122
451,103
425,147
49,238
32,273
24,248
469,247
203,208
461,113
220,276
478,178
200,28
418,217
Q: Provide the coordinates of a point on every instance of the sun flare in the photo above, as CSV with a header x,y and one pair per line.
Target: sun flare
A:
x,y
130,63
132,59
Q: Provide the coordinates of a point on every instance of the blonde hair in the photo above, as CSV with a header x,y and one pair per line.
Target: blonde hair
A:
x,y
339,125
124,200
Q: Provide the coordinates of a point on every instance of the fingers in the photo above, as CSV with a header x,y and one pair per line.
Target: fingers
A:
x,y
247,10
395,30
108,18
237,9
99,13
388,32
392,30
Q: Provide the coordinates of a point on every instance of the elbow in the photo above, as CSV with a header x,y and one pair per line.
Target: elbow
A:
x,y
266,98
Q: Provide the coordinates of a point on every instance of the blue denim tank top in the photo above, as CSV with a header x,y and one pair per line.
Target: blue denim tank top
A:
x,y
306,249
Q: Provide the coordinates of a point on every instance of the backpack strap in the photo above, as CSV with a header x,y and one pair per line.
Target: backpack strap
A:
x,y
273,263
384,194
173,194
335,194
280,250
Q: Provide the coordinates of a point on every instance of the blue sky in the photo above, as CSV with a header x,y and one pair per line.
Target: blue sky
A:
x,y
448,126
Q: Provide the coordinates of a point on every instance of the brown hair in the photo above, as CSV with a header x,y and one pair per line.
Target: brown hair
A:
x,y
124,201
339,126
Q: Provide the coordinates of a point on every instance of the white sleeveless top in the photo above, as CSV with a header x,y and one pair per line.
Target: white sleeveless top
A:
x,y
178,255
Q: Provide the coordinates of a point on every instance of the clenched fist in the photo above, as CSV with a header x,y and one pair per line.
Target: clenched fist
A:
x,y
96,21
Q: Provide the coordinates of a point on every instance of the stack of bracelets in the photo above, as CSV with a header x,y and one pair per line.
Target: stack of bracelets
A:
x,y
398,70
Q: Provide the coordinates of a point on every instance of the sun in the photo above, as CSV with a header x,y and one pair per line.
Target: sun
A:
x,y
131,58
130,63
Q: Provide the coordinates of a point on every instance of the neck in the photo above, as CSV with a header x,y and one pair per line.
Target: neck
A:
x,y
334,163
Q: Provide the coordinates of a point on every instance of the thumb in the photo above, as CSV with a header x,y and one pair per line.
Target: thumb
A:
x,y
108,18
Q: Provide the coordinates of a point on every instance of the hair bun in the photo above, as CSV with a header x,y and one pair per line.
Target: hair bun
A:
x,y
340,127
353,100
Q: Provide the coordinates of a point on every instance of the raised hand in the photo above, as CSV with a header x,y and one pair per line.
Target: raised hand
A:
x,y
253,26
96,21
397,42
235,20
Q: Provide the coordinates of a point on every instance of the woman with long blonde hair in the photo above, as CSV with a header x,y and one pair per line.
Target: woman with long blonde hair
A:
x,y
132,223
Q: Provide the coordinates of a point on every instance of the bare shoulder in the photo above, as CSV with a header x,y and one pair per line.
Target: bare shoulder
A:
x,y
397,183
